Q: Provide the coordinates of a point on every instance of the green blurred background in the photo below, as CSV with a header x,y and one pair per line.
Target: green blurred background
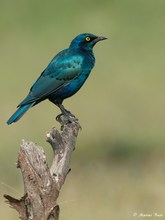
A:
x,y
118,167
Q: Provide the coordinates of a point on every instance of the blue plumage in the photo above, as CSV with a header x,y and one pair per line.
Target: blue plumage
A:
x,y
63,77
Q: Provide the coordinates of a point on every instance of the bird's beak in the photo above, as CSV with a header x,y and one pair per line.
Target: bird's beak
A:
x,y
99,39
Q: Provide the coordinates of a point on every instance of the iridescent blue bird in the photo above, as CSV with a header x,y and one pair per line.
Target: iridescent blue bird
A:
x,y
64,75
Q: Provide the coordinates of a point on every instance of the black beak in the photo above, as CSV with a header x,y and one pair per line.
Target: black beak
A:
x,y
99,39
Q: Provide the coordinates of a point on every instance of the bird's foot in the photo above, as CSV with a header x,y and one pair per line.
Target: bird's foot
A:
x,y
68,117
67,120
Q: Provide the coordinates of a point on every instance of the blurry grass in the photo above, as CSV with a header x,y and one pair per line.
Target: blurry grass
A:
x,y
115,191
118,167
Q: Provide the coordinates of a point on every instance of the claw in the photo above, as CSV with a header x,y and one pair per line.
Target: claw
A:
x,y
58,117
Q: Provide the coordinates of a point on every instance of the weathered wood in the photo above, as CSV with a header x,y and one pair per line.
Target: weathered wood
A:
x,y
42,184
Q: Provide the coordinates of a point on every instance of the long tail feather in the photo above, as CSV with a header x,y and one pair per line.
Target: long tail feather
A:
x,y
19,113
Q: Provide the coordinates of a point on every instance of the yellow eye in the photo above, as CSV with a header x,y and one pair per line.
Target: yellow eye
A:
x,y
87,38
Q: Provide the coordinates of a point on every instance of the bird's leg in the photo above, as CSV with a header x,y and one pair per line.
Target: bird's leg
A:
x,y
64,110
65,113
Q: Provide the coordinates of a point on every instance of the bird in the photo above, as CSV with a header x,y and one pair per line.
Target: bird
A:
x,y
63,77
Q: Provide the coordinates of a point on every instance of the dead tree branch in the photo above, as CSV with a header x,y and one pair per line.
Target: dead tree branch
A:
x,y
42,184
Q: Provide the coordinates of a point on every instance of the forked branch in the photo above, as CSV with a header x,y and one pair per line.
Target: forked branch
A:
x,y
42,184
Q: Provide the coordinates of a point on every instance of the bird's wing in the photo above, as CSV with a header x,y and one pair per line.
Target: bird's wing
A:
x,y
53,77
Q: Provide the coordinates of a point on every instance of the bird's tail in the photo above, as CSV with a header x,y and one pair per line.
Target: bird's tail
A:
x,y
19,113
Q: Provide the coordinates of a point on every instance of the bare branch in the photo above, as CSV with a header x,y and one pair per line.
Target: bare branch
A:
x,y
41,184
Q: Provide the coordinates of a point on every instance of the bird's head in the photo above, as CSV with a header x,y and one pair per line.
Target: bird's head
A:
x,y
86,41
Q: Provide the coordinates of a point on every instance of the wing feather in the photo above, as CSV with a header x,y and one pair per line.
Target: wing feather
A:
x,y
56,75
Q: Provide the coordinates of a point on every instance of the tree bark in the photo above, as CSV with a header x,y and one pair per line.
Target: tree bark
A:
x,y
42,184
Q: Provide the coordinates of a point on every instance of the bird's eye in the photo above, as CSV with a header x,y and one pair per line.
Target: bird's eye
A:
x,y
88,39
